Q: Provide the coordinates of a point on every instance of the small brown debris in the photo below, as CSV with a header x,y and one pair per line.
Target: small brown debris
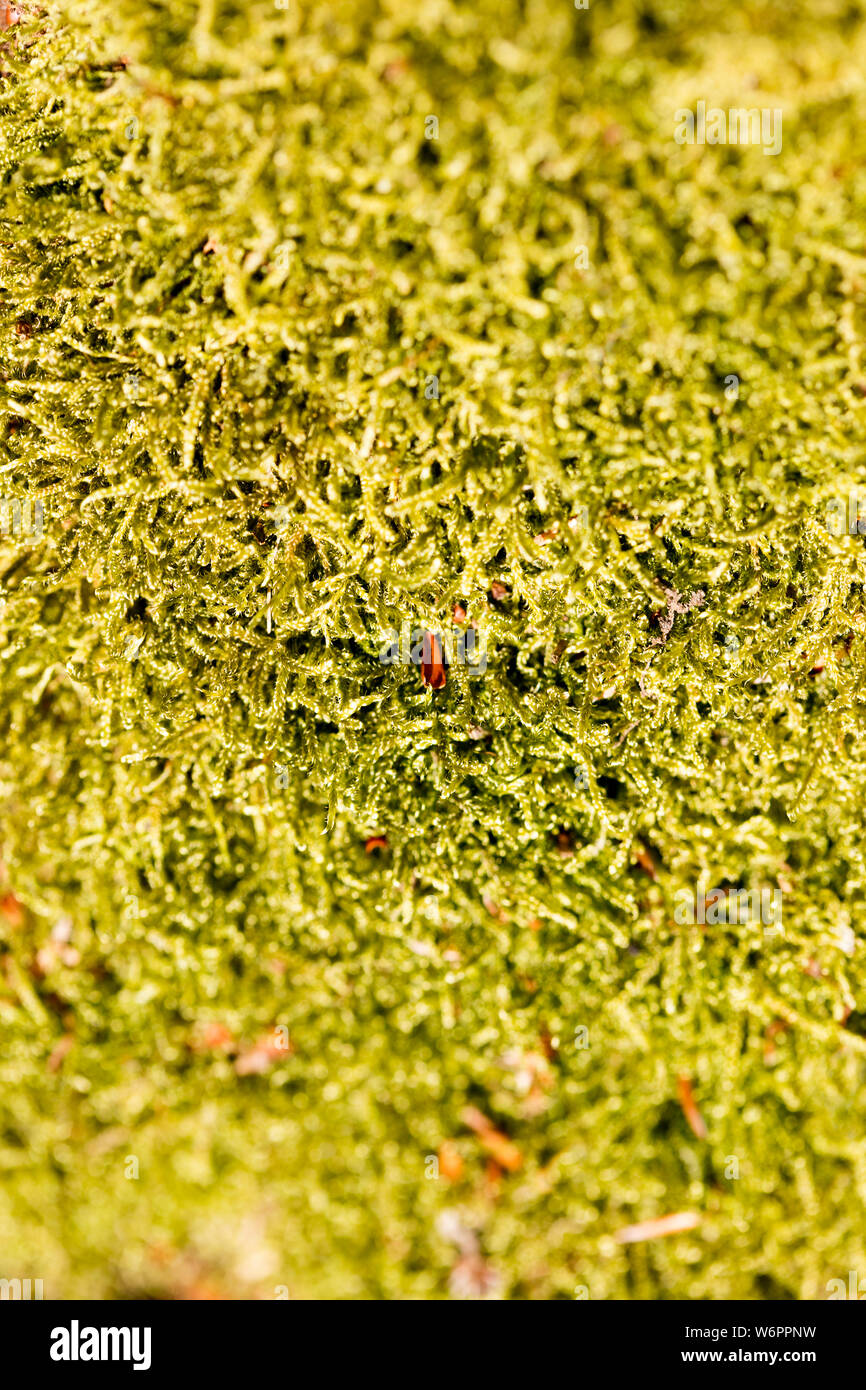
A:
x,y
62,930
779,1025
203,1291
55,1061
376,842
252,1063
168,97
451,1226
493,1176
49,956
161,1254
393,71
493,908
499,591
675,606
533,1077
473,1277
556,654
214,1037
264,1052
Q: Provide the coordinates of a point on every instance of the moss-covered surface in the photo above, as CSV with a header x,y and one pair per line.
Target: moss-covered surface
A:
x,y
230,262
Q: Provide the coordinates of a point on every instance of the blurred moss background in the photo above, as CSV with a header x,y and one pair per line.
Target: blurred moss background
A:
x,y
248,1017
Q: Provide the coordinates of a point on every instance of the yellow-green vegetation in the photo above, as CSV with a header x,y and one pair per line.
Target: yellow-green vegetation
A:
x,y
290,364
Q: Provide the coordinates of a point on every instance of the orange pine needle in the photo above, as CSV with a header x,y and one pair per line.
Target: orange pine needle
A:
x,y
497,1144
690,1108
669,1225
644,858
433,671
12,910
450,1161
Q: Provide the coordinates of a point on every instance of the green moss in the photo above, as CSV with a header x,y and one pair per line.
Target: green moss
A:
x,y
230,262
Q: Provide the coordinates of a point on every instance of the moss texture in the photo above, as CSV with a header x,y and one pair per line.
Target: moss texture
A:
x,y
234,253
